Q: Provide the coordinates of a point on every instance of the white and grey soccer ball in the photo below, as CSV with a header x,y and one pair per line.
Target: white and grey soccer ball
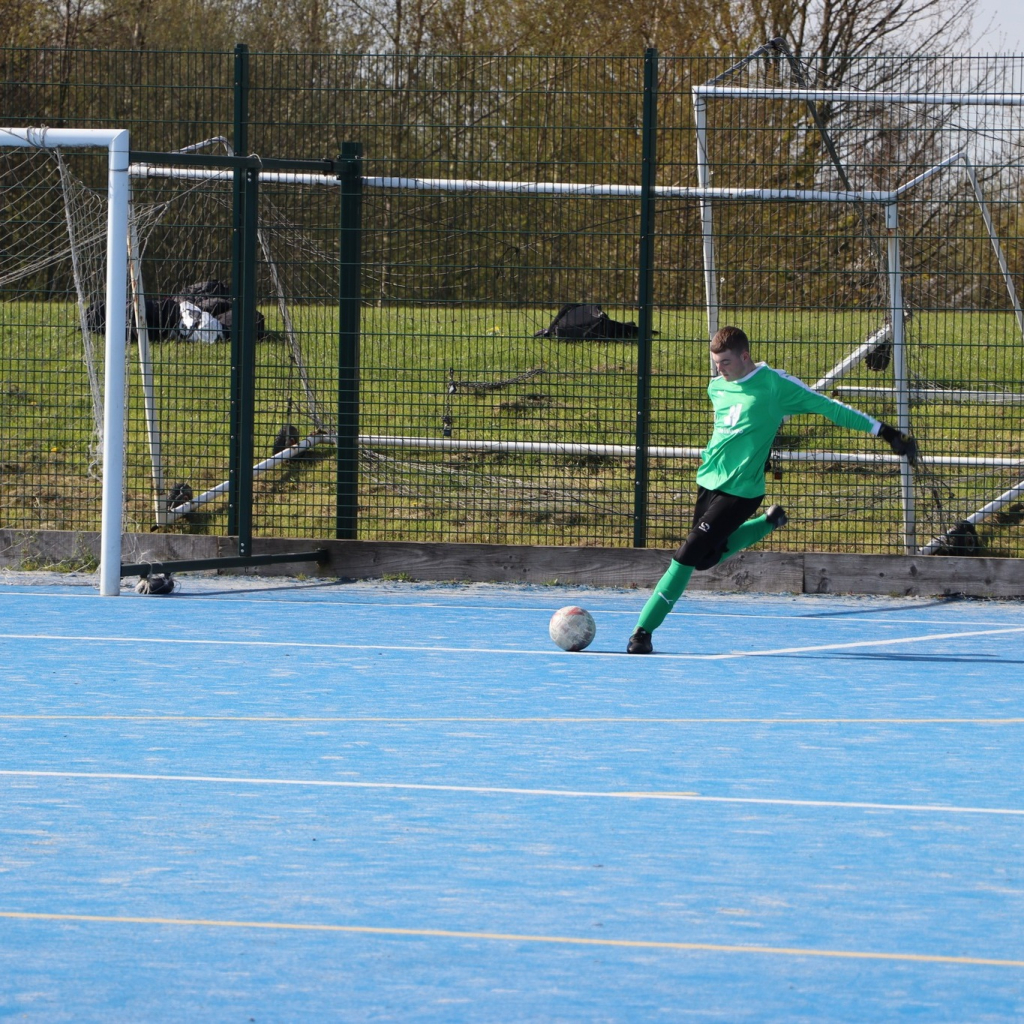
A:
x,y
572,628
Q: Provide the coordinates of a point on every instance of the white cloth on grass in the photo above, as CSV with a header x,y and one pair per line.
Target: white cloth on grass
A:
x,y
198,325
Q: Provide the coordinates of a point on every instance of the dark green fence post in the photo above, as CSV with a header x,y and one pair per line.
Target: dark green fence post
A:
x,y
645,297
246,374
350,173
241,145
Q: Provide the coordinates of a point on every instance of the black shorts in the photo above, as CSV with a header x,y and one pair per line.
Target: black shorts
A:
x,y
715,518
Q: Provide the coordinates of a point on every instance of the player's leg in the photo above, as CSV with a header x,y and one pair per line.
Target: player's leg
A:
x,y
668,590
716,516
754,530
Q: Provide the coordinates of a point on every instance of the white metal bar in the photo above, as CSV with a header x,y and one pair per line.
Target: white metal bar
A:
x,y
116,141
925,175
525,447
844,366
996,246
51,138
631,191
658,451
937,395
1004,499
153,437
971,461
372,441
264,466
111,519
899,364
959,99
559,188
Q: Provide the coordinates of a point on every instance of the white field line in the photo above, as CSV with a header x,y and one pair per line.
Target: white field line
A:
x,y
849,614
506,651
496,720
567,794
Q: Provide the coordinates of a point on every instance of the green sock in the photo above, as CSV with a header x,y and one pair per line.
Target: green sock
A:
x,y
669,589
749,533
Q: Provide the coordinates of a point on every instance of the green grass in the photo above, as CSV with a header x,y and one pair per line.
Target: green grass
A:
x,y
86,562
584,393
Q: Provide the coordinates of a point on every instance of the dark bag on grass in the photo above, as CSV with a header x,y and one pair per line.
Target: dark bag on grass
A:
x,y
962,539
587,321
227,320
162,317
205,290
215,306
879,357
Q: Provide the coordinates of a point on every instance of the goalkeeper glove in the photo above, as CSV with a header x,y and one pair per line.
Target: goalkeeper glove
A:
x,y
900,443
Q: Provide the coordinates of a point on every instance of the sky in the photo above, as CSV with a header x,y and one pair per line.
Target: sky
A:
x,y
1007,32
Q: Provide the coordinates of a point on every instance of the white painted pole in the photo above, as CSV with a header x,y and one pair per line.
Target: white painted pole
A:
x,y
623,451
959,99
116,141
114,369
138,291
580,190
1004,499
845,365
899,364
996,247
952,395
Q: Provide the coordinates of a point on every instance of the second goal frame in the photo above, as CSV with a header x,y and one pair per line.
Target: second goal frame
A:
x,y
889,201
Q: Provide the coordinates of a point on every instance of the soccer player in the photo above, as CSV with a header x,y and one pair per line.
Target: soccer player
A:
x,y
750,401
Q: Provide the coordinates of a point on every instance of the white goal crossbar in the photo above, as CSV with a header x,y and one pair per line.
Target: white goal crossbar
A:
x,y
115,141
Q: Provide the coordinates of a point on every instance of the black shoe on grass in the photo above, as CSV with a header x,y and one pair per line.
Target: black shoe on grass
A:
x,y
776,515
640,643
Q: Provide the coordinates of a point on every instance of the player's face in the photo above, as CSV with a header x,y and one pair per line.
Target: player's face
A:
x,y
732,365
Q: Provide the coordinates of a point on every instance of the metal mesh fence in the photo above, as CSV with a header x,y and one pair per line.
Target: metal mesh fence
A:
x,y
473,428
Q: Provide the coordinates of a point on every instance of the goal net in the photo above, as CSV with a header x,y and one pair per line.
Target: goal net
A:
x,y
181,274
872,262
62,241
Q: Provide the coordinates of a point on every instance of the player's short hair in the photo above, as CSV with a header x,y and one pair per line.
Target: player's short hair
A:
x,y
730,339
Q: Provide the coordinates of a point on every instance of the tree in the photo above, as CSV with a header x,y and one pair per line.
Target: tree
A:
x,y
831,35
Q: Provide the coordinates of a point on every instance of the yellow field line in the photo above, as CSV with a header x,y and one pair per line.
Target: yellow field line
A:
x,y
444,933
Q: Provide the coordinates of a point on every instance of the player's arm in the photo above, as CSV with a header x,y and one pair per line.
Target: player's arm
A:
x,y
797,397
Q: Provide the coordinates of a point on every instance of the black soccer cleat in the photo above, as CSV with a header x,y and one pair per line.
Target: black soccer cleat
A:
x,y
776,515
640,643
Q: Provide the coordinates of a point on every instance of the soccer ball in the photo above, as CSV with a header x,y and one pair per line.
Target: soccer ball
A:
x,y
572,628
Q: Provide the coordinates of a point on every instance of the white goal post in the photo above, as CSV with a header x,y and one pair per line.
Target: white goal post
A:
x,y
115,141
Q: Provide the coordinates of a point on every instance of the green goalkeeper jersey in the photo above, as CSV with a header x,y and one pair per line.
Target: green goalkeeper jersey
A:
x,y
748,414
